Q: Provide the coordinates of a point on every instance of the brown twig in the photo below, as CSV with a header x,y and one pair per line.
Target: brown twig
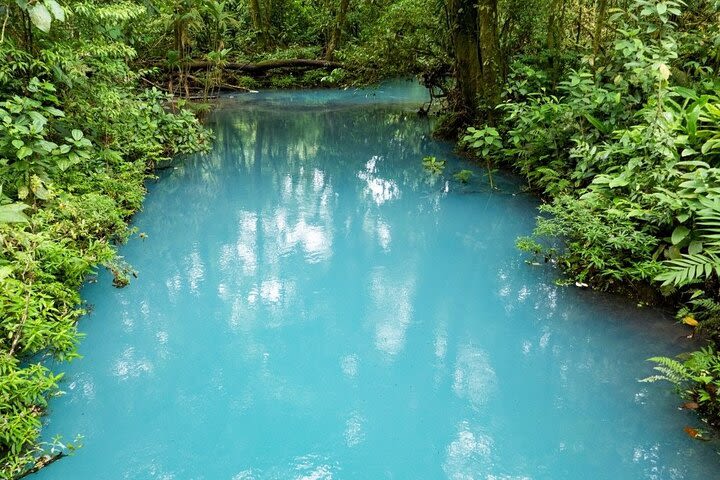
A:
x,y
41,463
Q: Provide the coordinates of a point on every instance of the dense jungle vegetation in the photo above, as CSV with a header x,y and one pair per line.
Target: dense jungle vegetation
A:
x,y
609,108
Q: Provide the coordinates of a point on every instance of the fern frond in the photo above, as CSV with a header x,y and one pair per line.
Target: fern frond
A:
x,y
670,370
709,218
669,363
654,378
689,268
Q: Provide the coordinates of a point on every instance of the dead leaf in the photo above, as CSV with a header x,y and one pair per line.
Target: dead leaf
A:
x,y
689,320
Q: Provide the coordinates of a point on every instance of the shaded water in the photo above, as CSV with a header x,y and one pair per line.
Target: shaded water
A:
x,y
311,305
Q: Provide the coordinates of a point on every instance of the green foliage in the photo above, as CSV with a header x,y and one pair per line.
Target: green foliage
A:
x,y
400,38
704,311
284,81
23,393
690,268
433,165
77,136
616,148
376,40
463,176
12,212
336,76
247,82
624,143
701,261
697,379
485,141
28,156
601,245
43,13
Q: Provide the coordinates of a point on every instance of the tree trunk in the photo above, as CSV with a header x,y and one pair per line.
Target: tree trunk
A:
x,y
553,39
258,18
599,25
337,30
491,59
578,33
265,15
180,43
468,70
255,15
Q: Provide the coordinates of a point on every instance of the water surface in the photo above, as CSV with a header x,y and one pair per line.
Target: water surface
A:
x,y
311,304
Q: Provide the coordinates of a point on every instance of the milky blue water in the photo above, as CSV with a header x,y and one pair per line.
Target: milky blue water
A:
x,y
311,304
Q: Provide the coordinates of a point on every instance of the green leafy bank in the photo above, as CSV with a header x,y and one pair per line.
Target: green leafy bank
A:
x,y
77,140
623,143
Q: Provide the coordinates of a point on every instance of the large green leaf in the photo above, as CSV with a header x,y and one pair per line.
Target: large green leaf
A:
x,y
40,191
23,152
40,17
695,247
619,181
38,120
601,126
13,213
692,120
56,9
5,271
679,234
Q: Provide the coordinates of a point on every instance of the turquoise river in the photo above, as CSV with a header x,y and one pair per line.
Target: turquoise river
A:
x,y
312,304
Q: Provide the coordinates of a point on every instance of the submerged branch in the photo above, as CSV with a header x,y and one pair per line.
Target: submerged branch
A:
x,y
41,463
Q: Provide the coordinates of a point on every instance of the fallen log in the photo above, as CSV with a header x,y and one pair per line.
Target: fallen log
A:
x,y
260,67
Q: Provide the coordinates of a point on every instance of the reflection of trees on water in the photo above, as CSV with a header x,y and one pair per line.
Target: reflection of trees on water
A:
x,y
259,221
589,350
267,196
274,157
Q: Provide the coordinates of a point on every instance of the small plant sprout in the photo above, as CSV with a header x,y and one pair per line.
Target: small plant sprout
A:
x,y
486,143
433,165
463,176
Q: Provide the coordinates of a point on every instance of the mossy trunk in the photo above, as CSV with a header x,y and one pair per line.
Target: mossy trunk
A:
x,y
257,23
468,70
265,20
491,58
556,19
599,26
336,36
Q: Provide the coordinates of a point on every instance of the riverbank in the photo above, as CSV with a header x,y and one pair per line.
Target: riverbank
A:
x,y
357,308
630,196
76,162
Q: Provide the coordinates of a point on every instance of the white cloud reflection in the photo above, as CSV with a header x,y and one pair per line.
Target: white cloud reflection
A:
x,y
380,189
474,378
392,310
354,430
471,455
128,365
350,365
